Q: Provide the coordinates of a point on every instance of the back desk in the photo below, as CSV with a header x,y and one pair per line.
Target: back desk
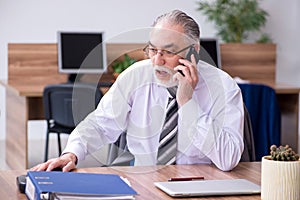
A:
x,y
33,66
142,178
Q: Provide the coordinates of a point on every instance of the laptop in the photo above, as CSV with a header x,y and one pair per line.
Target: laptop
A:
x,y
209,187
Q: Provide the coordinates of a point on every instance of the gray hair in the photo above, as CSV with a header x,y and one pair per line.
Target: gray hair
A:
x,y
177,17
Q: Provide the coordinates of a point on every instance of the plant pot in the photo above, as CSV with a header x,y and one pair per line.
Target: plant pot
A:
x,y
280,179
115,75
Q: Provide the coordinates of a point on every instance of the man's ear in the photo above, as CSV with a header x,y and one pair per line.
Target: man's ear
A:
x,y
197,48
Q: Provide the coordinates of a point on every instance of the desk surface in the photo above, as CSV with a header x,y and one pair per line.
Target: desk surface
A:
x,y
34,88
142,178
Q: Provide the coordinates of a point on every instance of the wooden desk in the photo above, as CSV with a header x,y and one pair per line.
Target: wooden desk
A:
x,y
142,178
289,100
23,103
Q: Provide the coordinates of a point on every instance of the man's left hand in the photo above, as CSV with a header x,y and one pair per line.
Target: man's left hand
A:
x,y
188,82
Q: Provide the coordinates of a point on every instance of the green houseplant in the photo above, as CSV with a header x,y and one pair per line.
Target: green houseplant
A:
x,y
122,64
235,19
280,177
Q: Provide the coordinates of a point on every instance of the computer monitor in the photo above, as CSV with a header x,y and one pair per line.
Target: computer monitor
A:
x,y
210,51
81,52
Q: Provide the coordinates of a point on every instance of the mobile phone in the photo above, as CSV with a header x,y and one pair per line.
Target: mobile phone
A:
x,y
180,71
192,51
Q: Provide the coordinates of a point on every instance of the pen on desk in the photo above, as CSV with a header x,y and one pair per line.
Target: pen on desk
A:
x,y
194,178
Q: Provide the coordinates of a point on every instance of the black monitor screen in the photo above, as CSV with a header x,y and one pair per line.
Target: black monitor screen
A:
x,y
80,52
209,51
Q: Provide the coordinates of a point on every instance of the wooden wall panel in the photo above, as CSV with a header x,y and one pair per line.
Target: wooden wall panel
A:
x,y
254,62
116,51
33,62
37,63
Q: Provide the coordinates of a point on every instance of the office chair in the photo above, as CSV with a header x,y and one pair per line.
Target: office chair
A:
x,y
264,111
249,146
65,105
118,153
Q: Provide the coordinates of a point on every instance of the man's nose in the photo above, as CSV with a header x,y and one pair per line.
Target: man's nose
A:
x,y
159,58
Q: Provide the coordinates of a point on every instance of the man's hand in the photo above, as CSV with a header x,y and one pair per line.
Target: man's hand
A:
x,y
188,82
66,163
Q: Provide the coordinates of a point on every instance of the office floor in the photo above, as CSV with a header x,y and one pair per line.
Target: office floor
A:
x,y
36,147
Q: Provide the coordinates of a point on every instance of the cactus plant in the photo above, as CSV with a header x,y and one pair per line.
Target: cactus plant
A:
x,y
283,153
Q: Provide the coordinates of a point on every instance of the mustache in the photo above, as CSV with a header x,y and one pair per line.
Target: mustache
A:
x,y
164,69
165,83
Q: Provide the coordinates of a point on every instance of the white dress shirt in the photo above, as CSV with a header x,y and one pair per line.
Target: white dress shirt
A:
x,y
210,125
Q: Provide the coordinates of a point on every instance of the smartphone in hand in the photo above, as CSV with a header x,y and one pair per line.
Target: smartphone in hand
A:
x,y
192,51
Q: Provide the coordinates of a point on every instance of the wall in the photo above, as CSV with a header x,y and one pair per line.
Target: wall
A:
x,y
283,24
37,21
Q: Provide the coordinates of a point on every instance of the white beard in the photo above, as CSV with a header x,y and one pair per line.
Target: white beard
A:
x,y
165,83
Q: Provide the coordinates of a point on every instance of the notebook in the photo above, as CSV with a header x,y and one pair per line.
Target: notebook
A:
x,y
209,187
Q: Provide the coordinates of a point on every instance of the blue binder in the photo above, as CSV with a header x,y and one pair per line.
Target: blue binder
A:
x,y
48,185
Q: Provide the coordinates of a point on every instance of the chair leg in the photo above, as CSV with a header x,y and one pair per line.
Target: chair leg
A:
x,y
59,144
47,146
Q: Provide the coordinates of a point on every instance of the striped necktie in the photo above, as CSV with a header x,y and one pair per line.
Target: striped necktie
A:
x,y
168,138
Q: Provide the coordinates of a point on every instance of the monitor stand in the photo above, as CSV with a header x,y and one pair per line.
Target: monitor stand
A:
x,y
72,77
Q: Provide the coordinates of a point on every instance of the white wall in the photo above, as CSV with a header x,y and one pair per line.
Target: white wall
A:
x,y
38,20
283,24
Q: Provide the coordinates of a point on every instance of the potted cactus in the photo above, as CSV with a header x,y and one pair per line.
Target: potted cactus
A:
x,y
280,177
283,153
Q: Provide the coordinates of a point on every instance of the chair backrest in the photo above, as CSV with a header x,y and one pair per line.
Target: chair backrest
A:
x,y
264,112
249,146
118,153
68,104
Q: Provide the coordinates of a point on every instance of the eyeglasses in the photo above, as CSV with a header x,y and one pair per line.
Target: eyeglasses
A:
x,y
151,51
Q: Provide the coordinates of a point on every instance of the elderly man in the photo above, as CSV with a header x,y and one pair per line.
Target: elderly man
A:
x,y
175,108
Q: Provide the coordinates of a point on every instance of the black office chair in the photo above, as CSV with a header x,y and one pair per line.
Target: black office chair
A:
x,y
118,153
249,146
65,105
